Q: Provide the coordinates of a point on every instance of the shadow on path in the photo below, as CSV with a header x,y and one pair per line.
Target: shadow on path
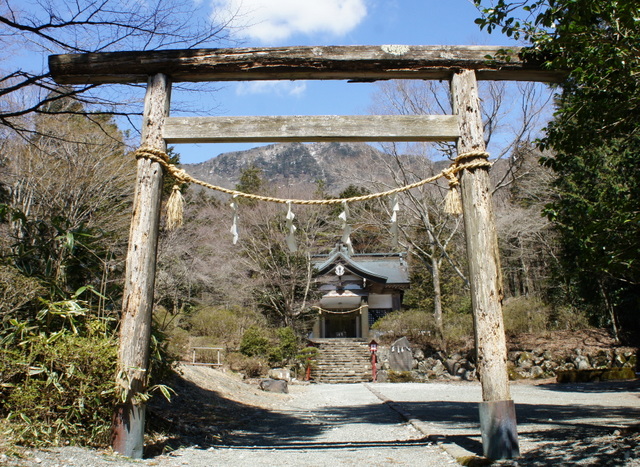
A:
x,y
308,446
204,418
559,434
594,387
556,434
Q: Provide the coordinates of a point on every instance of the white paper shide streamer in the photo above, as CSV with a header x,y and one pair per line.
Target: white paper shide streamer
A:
x,y
395,207
291,237
346,228
234,225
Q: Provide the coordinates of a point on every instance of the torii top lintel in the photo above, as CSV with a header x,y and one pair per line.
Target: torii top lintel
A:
x,y
356,63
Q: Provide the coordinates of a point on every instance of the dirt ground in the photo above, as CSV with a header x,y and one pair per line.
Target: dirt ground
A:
x,y
214,411
590,341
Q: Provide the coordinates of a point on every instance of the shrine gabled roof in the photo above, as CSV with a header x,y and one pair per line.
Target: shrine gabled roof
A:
x,y
383,268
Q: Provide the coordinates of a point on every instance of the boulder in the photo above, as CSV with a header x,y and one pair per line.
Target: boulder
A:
x,y
632,362
439,368
401,356
601,360
440,356
618,360
513,355
280,373
429,362
525,360
469,375
536,372
274,385
581,362
452,366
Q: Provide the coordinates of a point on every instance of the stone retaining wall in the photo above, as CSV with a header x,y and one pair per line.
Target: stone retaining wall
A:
x,y
529,364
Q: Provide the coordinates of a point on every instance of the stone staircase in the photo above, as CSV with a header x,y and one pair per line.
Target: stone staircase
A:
x,y
342,361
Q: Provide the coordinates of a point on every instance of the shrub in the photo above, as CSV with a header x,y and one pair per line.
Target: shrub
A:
x,y
179,343
255,342
568,318
252,367
458,331
307,357
532,315
60,389
278,346
288,343
57,375
224,325
525,314
16,291
416,325
207,327
420,328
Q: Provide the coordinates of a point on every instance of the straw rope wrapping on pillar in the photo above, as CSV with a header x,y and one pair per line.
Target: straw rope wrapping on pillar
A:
x,y
469,160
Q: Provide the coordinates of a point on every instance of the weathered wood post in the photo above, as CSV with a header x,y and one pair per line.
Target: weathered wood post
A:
x,y
497,411
135,325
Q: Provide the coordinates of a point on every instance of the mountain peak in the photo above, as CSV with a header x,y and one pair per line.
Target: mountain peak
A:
x,y
338,165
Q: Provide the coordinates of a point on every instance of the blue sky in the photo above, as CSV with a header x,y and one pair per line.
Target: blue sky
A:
x,y
329,22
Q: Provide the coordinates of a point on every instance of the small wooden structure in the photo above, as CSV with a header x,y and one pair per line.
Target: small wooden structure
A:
x,y
463,66
205,350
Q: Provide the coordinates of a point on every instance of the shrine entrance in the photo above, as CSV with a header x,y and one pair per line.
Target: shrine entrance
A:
x,y
342,326
461,65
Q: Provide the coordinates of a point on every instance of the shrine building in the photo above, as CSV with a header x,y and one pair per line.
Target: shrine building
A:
x,y
357,290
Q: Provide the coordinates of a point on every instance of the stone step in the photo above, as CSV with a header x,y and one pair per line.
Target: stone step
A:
x,y
342,361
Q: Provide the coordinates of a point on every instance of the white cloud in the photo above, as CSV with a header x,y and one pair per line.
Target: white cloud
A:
x,y
278,88
271,21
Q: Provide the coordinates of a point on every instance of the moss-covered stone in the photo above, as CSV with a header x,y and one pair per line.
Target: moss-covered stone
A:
x,y
473,461
585,376
400,377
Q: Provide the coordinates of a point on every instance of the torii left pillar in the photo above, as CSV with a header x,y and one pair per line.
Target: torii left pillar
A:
x,y
135,324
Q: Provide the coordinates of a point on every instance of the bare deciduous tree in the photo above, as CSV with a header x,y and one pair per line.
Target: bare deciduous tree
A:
x,y
68,189
507,127
32,29
528,241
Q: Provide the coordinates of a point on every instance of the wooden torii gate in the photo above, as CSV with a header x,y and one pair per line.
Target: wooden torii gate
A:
x,y
461,65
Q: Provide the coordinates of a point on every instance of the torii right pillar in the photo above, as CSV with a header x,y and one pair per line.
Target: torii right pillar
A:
x,y
497,410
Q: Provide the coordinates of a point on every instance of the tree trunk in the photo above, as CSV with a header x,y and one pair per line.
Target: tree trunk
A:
x,y
135,326
437,293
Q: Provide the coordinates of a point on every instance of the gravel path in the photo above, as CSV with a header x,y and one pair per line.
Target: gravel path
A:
x,y
327,425
558,424
358,424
